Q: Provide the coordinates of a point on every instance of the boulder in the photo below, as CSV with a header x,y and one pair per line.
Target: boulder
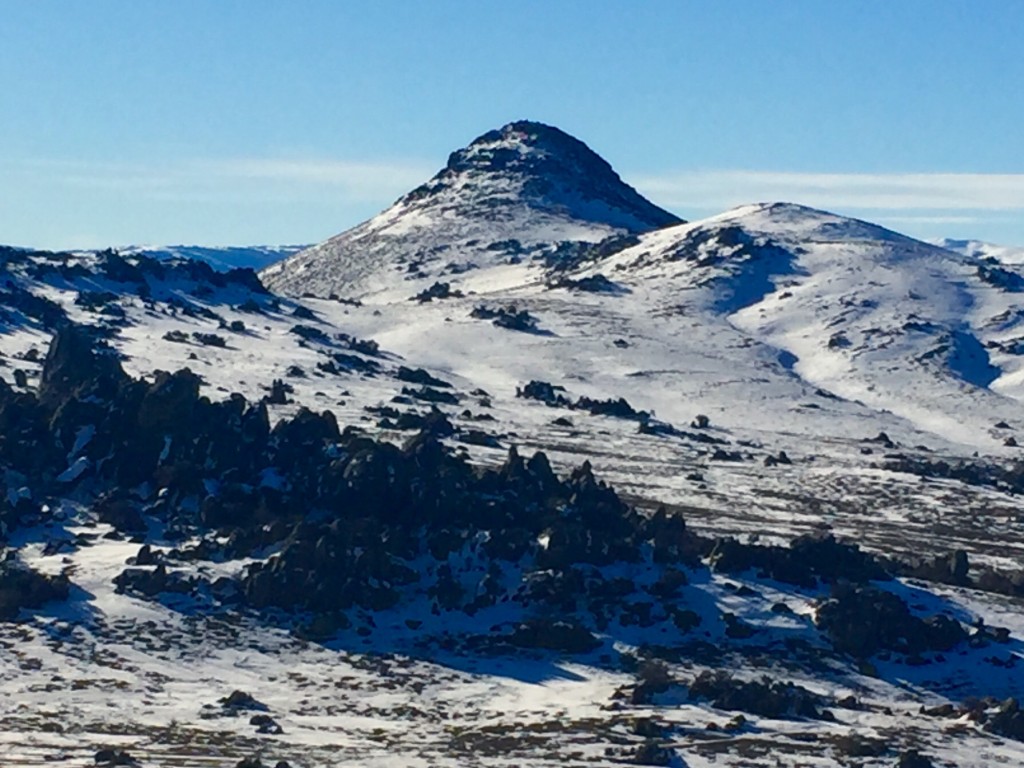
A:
x,y
1007,720
114,757
911,758
554,635
21,587
863,620
764,697
241,700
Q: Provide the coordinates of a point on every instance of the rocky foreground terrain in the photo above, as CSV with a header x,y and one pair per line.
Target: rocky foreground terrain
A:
x,y
164,549
743,492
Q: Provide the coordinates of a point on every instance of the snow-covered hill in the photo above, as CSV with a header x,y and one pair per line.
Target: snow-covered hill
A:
x,y
859,311
517,193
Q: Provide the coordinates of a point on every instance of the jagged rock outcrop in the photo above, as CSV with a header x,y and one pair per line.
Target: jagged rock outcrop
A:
x,y
807,559
358,525
76,366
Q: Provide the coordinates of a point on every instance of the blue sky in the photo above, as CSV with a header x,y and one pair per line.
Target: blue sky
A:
x,y
242,122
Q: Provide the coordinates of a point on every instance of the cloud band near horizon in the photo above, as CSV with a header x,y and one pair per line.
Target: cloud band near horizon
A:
x,y
925,203
870,191
710,188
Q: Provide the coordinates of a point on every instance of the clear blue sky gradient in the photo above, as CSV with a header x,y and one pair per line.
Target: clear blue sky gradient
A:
x,y
269,122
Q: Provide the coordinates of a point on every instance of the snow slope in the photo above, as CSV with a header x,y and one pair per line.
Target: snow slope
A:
x,y
731,318
110,670
671,330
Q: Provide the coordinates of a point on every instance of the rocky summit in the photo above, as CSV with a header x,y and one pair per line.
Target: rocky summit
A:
x,y
526,191
537,165
523,471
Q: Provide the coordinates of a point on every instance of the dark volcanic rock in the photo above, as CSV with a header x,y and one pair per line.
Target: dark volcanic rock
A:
x,y
911,758
509,317
593,284
420,376
807,559
617,407
1007,720
150,583
121,511
549,394
552,395
765,697
74,368
241,700
114,757
561,636
169,404
27,444
431,395
266,725
438,290
863,620
119,269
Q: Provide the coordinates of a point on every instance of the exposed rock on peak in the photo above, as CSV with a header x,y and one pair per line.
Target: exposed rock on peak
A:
x,y
552,170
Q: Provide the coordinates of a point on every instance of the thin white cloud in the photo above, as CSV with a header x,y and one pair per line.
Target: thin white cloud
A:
x,y
707,190
205,180
923,200
718,189
368,176
911,219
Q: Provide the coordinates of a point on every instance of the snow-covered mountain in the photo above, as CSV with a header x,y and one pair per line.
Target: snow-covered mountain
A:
x,y
221,258
376,530
1006,254
517,193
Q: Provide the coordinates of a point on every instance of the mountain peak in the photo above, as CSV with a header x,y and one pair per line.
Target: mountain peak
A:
x,y
543,167
514,193
526,145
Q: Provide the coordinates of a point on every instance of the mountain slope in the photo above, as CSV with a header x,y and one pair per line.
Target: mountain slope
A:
x,y
512,194
385,582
